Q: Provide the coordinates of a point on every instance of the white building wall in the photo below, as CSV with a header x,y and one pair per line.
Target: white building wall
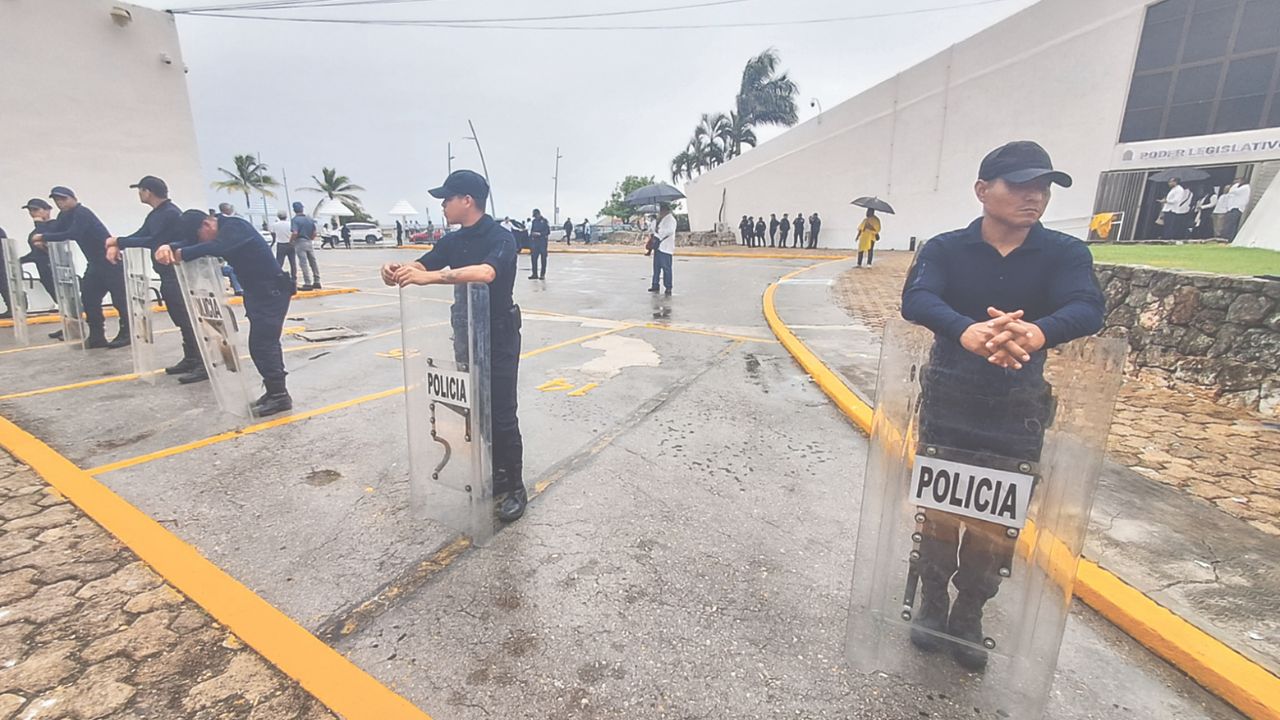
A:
x,y
1057,72
92,105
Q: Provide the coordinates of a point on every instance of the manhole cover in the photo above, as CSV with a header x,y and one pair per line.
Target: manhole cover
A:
x,y
335,332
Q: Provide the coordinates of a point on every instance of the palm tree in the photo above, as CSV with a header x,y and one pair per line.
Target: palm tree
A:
x,y
683,165
766,97
733,134
338,187
249,176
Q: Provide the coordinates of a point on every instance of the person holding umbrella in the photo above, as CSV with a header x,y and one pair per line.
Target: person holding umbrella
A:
x,y
868,235
664,248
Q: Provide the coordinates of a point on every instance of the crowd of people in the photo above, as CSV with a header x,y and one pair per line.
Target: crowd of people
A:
x,y
753,229
1203,211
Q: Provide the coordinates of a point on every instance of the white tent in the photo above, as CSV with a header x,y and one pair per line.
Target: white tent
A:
x,y
402,209
1260,227
331,207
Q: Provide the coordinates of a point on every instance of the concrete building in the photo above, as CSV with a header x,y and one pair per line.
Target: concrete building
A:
x,y
94,97
1114,89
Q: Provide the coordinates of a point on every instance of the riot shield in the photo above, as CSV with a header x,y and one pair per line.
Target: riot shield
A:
x,y
978,489
17,291
137,283
446,378
217,333
66,286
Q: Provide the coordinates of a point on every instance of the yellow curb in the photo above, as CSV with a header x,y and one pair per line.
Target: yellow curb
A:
x,y
679,253
1246,685
319,669
159,307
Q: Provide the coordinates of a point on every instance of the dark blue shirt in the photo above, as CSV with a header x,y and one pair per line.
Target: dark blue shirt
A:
x,y
159,228
484,243
242,246
81,225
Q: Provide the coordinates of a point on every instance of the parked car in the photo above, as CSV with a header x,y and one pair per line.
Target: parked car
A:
x,y
369,232
426,236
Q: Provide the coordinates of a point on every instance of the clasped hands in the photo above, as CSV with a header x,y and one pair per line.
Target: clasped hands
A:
x,y
1005,340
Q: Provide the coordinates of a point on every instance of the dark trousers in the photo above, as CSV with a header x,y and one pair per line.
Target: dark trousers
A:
x,y
99,280
1232,224
813,238
266,308
1175,226
797,237
285,251
175,304
870,256
44,270
661,269
504,368
773,234
538,250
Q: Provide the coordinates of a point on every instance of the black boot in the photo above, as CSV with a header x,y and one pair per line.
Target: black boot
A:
x,y
122,339
275,400
97,339
56,335
510,505
966,624
189,362
932,616
195,374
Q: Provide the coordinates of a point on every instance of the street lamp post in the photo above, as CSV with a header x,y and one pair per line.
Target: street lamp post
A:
x,y
555,194
473,136
449,150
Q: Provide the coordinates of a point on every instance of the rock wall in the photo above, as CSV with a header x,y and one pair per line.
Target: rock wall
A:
x,y
1216,331
698,238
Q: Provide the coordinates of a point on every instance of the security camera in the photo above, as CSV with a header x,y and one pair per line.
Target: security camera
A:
x,y
166,59
121,16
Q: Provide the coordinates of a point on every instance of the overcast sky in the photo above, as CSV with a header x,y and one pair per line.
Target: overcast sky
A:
x,y
381,103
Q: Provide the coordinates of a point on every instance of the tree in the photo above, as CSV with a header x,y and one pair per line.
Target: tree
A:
x,y
340,188
766,97
734,133
683,165
616,207
249,176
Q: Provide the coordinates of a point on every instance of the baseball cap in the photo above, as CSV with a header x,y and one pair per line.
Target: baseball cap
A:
x,y
154,184
37,204
62,191
297,206
1019,162
190,223
463,182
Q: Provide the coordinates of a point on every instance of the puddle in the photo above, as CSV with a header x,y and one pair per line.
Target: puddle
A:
x,y
320,478
619,352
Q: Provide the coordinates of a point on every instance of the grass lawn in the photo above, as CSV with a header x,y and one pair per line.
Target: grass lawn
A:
x,y
1205,258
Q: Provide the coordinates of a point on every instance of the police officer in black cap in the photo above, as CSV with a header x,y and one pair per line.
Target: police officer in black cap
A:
x,y
267,289
40,212
77,222
161,228
482,251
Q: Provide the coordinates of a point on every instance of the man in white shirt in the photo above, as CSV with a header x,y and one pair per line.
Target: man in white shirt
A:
x,y
1238,197
1220,208
1177,211
282,230
664,248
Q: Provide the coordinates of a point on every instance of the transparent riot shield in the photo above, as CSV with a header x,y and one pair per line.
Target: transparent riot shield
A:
x,y
137,283
17,290
217,334
446,378
66,286
978,489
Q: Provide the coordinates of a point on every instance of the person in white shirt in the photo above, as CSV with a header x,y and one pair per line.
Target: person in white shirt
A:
x,y
1238,197
1220,209
1177,211
1204,209
664,248
282,231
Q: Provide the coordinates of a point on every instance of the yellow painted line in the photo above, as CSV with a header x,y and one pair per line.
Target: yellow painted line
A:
x,y
345,309
1246,685
680,252
77,386
709,333
31,347
584,390
159,307
555,385
319,669
574,341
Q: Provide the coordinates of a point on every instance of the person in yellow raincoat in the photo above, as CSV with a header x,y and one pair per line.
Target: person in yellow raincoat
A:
x,y
868,234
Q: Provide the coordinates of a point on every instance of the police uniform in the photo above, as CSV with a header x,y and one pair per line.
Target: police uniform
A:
x,y
39,256
100,277
784,227
488,243
797,235
540,231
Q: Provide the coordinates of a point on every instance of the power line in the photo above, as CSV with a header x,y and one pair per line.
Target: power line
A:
x,y
287,4
491,24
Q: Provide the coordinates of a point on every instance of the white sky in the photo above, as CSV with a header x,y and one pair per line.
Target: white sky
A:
x,y
380,103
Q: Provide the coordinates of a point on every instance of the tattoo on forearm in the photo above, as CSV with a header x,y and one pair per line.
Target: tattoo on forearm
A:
x,y
448,275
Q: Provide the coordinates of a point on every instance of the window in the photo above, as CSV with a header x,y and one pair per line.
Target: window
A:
x,y
1205,66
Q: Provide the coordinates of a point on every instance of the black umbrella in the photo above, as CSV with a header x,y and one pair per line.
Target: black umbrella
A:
x,y
874,203
653,194
1183,174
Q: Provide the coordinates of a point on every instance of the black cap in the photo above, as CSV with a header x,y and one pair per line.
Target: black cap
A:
x,y
62,191
154,184
1019,162
37,204
190,223
463,182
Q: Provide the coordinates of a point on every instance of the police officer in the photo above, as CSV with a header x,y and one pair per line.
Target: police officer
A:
x,y
996,295
77,222
40,212
784,228
815,224
539,235
160,228
759,241
797,230
773,229
267,289
482,251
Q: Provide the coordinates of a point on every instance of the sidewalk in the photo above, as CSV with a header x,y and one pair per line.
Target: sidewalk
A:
x,y
1151,526
88,631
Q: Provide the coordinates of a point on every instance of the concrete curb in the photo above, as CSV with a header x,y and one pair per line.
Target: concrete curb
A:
x,y
834,255
1246,685
159,307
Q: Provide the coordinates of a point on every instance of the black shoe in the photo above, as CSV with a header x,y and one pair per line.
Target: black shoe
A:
x,y
272,403
542,277
195,375
653,289
238,293
315,285
184,366
56,335
667,292
932,617
511,506
965,624
95,341
533,277
6,315
121,339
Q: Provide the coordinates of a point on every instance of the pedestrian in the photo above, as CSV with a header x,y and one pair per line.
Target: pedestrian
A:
x,y
302,233
399,233
797,231
345,234
868,236
229,273
784,229
773,228
1220,209
744,228
815,224
664,247
40,212
77,222
1238,197
568,230
539,236
267,290
997,295
1176,211
482,251
226,209
282,231
759,233
161,228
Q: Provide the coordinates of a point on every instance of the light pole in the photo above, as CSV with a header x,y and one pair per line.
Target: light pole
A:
x,y
813,102
555,194
449,145
483,166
